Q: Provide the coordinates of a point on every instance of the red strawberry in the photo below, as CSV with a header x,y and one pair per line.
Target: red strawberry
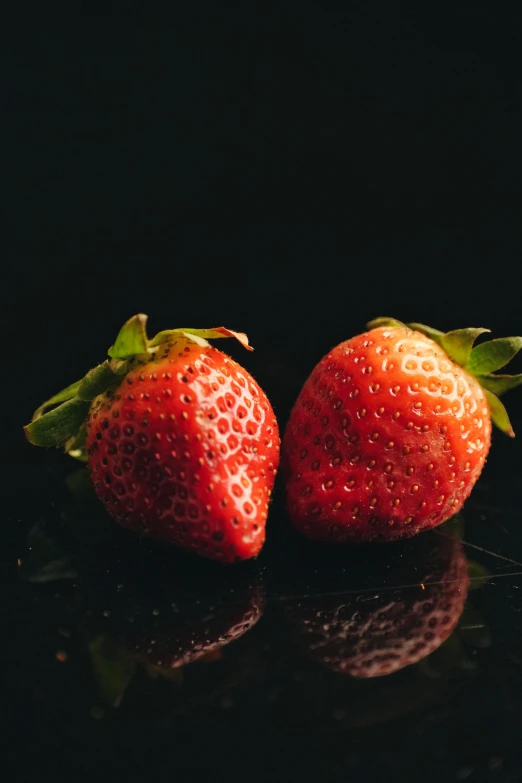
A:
x,y
182,443
376,632
391,431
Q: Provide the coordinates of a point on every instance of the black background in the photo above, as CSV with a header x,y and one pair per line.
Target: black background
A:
x,y
288,170
291,170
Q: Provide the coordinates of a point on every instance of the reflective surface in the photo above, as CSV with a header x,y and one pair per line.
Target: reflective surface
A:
x,y
315,662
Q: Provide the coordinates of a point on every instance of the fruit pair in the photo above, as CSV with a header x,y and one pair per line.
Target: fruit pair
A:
x,y
387,438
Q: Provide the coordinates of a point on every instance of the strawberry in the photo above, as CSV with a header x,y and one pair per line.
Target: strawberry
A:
x,y
375,632
181,442
391,431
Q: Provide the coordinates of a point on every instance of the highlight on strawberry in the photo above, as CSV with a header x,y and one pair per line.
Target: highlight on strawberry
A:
x,y
181,442
392,429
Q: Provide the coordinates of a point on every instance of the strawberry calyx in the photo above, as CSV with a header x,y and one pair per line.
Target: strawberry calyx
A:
x,y
61,420
482,361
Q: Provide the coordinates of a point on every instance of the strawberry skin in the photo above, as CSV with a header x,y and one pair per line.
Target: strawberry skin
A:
x,y
186,450
386,439
376,633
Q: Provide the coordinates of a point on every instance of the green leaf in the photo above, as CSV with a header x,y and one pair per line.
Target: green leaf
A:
x,y
493,355
113,669
97,381
384,321
75,446
435,334
58,425
459,342
131,340
62,396
499,384
499,414
201,335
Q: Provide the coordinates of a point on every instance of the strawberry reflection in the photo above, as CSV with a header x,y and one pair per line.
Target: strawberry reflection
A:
x,y
364,628
137,604
167,620
161,624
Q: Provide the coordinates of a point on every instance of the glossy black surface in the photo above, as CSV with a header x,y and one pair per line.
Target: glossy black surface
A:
x,y
290,170
129,656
